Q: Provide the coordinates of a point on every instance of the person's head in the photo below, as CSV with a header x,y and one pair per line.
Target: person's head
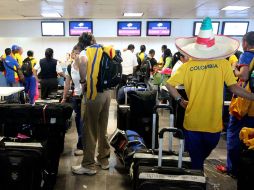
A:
x,y
167,53
163,48
30,53
248,41
75,51
238,54
131,47
142,48
15,49
7,51
86,39
49,53
151,53
178,56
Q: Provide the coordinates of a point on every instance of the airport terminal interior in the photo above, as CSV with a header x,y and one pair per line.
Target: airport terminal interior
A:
x,y
37,25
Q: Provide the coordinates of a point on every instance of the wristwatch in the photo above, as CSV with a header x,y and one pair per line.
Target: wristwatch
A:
x,y
178,99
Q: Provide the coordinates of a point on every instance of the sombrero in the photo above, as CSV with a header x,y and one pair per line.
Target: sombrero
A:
x,y
207,46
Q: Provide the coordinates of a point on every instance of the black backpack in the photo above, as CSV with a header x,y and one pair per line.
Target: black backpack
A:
x,y
110,73
27,68
2,68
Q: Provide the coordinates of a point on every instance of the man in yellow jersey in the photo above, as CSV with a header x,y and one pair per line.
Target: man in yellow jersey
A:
x,y
203,78
97,101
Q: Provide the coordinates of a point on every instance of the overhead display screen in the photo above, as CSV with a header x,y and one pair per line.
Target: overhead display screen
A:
x,y
158,28
52,28
197,26
78,27
232,28
128,28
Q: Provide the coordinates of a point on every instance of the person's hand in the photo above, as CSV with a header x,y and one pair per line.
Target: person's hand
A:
x,y
63,101
184,103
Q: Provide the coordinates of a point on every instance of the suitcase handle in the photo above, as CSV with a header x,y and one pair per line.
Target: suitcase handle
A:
x,y
181,145
164,106
171,130
171,123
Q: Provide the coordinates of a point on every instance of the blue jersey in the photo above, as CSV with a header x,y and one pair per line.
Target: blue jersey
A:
x,y
246,58
9,63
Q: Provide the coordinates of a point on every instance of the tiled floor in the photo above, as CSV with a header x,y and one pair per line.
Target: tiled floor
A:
x,y
117,178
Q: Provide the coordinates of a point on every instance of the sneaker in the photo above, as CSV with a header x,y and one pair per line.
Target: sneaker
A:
x,y
104,167
78,152
81,170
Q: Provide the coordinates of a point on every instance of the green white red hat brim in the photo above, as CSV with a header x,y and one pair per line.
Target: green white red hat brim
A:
x,y
224,47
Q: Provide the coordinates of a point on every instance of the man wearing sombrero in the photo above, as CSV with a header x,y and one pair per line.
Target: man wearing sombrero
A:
x,y
203,78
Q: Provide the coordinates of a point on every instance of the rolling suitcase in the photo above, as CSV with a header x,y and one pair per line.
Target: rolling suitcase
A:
x,y
150,157
141,113
21,166
123,109
245,169
170,178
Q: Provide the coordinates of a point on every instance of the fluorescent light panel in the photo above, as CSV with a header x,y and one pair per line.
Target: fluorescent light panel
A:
x,y
133,14
51,15
235,8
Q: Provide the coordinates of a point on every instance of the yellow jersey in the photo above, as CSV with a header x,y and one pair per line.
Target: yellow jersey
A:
x,y
204,84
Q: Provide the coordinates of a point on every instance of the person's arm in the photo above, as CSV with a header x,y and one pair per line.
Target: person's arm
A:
x,y
172,90
59,70
242,73
239,91
82,71
66,88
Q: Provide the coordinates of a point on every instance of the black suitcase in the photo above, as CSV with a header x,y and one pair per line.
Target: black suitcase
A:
x,y
123,109
171,178
141,114
246,169
21,166
123,117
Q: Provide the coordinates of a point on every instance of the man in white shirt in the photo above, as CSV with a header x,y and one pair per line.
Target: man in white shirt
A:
x,y
129,63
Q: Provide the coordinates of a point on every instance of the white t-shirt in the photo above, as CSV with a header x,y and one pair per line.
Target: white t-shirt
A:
x,y
177,66
129,61
59,69
75,77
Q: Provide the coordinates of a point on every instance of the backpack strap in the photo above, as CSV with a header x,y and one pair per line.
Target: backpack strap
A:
x,y
69,70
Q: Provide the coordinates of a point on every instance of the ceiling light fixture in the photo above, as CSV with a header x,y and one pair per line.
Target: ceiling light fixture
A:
x,y
133,14
51,15
235,8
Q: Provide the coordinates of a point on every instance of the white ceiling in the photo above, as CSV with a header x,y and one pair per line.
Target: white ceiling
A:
x,y
92,9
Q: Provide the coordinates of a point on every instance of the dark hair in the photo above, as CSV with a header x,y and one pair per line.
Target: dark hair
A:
x,y
7,51
77,48
142,48
176,57
249,37
151,51
238,54
164,47
49,53
30,53
85,39
167,53
131,47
